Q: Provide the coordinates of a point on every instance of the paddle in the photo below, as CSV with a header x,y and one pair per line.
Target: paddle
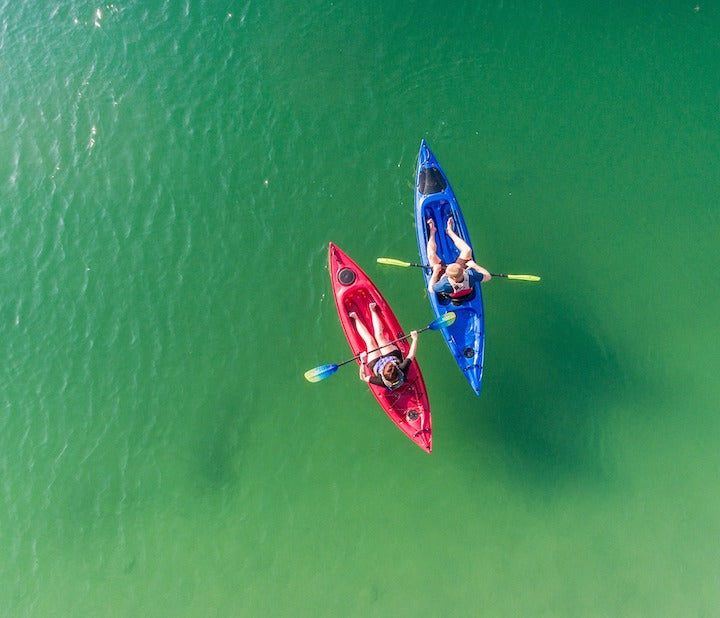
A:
x,y
392,262
325,371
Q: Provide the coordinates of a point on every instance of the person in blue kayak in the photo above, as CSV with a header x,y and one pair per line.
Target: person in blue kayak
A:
x,y
454,281
382,359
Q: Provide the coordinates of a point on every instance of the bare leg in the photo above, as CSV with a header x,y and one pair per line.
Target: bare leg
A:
x,y
377,325
432,244
462,246
369,340
379,334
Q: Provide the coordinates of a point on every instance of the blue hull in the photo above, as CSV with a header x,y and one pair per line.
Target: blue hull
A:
x,y
434,198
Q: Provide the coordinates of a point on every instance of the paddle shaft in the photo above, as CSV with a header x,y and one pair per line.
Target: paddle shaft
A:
x,y
350,360
430,267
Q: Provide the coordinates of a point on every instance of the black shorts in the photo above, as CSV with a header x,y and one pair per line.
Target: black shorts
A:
x,y
396,353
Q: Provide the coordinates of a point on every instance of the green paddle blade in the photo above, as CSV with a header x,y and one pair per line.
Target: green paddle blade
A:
x,y
443,321
320,373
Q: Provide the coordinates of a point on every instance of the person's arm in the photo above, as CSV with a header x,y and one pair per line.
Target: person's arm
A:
x,y
435,277
413,346
363,366
476,267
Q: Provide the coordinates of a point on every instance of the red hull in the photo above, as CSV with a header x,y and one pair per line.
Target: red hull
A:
x,y
407,406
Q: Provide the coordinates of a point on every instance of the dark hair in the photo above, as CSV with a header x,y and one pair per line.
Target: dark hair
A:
x,y
390,372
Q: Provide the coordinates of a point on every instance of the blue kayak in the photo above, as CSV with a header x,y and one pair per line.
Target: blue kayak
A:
x,y
435,199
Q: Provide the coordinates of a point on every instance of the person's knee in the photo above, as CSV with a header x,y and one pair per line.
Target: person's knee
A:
x,y
381,342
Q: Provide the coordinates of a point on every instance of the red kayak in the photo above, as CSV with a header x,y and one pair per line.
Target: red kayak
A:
x,y
408,405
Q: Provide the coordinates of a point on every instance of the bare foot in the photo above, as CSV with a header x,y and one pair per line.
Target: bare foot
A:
x,y
450,225
353,315
431,227
373,306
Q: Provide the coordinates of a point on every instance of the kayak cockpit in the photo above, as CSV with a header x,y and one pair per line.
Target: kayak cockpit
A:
x,y
431,180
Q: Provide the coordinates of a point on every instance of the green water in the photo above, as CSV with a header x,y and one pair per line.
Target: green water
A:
x,y
170,176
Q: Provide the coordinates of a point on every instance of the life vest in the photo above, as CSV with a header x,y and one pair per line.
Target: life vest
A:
x,y
380,365
463,285
462,291
459,297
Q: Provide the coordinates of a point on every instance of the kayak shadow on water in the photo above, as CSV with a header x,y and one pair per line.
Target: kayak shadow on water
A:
x,y
216,446
551,388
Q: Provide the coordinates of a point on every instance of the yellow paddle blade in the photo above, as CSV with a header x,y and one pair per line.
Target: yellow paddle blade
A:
x,y
392,262
524,277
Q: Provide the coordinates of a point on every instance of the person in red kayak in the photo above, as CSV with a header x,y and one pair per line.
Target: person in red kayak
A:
x,y
455,281
386,364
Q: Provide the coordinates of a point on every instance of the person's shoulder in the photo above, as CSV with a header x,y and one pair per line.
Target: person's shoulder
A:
x,y
442,285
